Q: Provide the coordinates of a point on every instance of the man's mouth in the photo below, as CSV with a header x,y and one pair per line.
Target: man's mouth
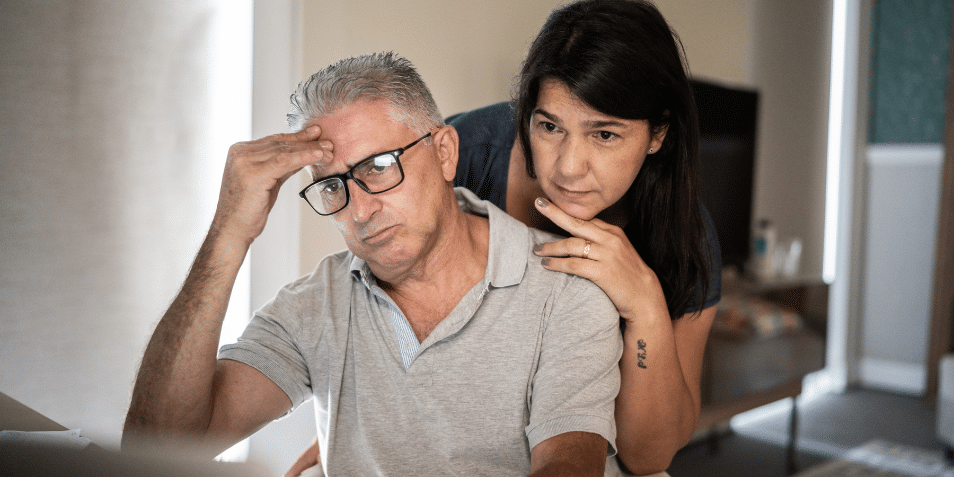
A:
x,y
378,235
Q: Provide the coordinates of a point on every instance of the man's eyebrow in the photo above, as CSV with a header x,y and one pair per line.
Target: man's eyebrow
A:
x,y
350,166
588,124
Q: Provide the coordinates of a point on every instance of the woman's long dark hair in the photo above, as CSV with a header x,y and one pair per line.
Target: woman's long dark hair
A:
x,y
622,58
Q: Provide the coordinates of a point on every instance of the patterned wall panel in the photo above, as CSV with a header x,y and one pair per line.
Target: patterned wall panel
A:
x,y
912,40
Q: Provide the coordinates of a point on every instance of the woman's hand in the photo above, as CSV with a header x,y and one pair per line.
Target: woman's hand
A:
x,y
602,253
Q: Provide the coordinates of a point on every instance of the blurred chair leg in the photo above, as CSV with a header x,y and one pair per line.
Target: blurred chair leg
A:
x,y
791,456
712,441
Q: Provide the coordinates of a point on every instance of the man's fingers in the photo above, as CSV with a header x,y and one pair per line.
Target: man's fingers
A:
x,y
283,158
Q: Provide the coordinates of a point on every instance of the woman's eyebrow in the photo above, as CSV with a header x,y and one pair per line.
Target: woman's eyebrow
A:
x,y
593,124
603,124
544,113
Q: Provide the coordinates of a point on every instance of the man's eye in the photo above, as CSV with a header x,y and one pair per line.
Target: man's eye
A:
x,y
606,135
330,188
378,165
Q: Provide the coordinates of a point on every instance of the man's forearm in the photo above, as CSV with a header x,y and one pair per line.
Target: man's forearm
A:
x,y
572,453
173,392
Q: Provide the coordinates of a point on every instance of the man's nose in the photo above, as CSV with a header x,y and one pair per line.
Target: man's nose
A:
x,y
362,204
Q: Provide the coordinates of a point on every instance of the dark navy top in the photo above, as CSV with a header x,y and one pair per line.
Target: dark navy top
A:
x,y
486,137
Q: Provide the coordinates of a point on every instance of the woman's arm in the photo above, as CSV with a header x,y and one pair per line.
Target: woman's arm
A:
x,y
658,404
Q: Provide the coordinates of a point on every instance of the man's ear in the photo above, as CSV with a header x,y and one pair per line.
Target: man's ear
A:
x,y
445,143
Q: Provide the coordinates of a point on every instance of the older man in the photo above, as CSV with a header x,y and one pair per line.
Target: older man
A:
x,y
436,345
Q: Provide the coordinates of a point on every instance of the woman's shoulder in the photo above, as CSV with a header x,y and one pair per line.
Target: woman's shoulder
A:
x,y
490,125
486,137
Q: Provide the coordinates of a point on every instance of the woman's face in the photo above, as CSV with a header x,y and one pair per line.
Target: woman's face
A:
x,y
585,160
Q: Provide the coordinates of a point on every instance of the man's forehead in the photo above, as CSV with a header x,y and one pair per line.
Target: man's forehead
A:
x,y
357,131
361,123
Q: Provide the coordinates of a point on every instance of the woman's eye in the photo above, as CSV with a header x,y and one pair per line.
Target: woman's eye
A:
x,y
547,126
607,136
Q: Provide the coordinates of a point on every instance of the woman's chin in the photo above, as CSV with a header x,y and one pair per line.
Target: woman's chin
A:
x,y
579,211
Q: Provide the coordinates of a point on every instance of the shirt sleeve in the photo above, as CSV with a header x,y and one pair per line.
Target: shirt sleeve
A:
x,y
268,345
577,377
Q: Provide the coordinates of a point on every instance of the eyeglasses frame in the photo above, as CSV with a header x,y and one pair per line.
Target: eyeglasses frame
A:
x,y
350,175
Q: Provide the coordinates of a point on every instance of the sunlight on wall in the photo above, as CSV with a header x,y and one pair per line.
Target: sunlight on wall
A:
x,y
232,113
232,110
835,149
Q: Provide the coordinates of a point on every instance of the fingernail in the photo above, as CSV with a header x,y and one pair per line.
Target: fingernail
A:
x,y
325,144
545,262
537,247
313,129
541,202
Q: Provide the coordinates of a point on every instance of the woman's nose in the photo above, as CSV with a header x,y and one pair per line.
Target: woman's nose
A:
x,y
573,160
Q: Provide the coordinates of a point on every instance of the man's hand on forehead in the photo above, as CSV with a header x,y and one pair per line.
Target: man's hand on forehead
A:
x,y
255,171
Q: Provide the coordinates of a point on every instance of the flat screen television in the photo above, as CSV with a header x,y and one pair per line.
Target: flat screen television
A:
x,y
728,118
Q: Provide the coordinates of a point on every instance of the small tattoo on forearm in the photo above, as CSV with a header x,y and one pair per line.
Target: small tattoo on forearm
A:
x,y
641,355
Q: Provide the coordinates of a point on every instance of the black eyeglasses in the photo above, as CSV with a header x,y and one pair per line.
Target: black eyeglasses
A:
x,y
376,174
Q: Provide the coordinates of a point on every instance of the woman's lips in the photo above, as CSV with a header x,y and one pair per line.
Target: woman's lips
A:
x,y
571,194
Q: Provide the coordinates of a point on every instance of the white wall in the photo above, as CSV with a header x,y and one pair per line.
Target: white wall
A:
x,y
791,46
717,37
114,121
901,234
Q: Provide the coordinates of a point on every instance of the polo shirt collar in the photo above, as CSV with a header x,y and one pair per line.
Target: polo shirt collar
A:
x,y
509,240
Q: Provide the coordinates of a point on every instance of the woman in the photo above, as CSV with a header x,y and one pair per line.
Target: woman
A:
x,y
601,147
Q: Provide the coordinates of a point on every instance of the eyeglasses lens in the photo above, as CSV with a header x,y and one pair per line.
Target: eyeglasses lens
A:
x,y
327,197
375,174
378,173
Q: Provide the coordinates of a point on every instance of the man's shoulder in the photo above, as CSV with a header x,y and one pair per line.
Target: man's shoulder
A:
x,y
326,291
566,284
331,272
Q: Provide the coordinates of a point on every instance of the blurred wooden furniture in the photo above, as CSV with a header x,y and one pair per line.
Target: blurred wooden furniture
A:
x,y
743,371
16,416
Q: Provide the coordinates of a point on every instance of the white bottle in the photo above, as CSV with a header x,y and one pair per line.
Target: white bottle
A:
x,y
764,238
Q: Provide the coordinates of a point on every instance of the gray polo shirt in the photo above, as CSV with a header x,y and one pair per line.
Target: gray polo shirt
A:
x,y
526,355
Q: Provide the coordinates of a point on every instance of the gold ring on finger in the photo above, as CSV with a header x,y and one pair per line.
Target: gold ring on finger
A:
x,y
586,250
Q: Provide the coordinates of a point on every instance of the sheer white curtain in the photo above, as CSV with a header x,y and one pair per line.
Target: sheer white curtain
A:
x,y
115,118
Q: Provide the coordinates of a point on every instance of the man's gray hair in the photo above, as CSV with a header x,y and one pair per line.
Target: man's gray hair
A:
x,y
385,76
